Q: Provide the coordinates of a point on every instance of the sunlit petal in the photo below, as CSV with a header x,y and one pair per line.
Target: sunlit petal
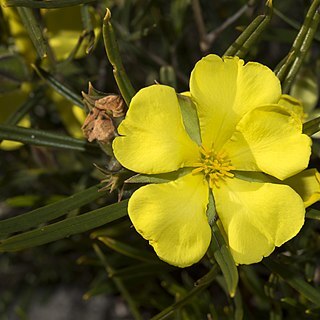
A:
x,y
224,89
257,217
172,216
269,139
153,138
307,185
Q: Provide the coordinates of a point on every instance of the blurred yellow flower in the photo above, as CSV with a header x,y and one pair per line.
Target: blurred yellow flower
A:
x,y
245,132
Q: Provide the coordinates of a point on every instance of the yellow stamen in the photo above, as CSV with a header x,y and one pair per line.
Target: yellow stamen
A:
x,y
214,165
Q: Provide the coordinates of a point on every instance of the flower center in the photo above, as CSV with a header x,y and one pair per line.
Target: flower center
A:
x,y
214,165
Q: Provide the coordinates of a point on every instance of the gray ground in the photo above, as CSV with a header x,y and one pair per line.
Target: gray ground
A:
x,y
66,303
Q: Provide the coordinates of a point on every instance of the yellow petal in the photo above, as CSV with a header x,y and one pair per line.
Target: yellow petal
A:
x,y
224,90
172,216
153,138
292,105
269,139
307,185
257,217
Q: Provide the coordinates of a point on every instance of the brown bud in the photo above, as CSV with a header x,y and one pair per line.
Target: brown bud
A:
x,y
98,126
112,104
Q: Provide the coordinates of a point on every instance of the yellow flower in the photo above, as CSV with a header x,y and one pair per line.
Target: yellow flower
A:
x,y
249,143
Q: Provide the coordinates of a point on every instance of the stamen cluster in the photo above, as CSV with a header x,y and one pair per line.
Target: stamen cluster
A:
x,y
214,165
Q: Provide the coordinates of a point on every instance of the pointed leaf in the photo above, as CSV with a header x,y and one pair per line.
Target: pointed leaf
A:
x,y
112,50
59,87
201,285
33,28
44,138
251,34
294,280
49,4
158,178
218,248
127,250
224,259
65,228
313,214
49,212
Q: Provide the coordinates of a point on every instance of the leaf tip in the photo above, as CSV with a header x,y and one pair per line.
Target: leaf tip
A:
x,y
269,3
107,16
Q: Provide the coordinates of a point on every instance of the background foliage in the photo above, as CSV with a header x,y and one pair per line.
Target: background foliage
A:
x,y
50,184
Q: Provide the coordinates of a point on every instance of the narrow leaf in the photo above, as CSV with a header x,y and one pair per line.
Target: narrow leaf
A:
x,y
65,228
190,118
158,178
119,283
112,50
44,138
59,87
224,259
31,102
141,270
201,285
49,212
127,250
283,68
33,28
294,280
251,34
313,214
301,53
49,4
311,127
219,251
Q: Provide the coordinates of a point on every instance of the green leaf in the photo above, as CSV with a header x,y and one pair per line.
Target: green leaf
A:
x,y
49,4
158,178
201,284
119,283
128,251
141,270
32,26
112,50
33,99
311,127
190,118
59,87
290,65
251,34
313,214
224,259
49,212
88,28
44,138
13,71
168,76
222,255
294,280
26,200
65,228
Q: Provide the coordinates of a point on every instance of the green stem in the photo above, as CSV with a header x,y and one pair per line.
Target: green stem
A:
x,y
119,284
202,284
126,89
301,53
250,35
49,4
283,68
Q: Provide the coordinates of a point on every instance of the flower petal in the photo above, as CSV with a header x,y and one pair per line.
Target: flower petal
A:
x,y
172,216
269,139
307,185
224,89
292,105
257,217
153,138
